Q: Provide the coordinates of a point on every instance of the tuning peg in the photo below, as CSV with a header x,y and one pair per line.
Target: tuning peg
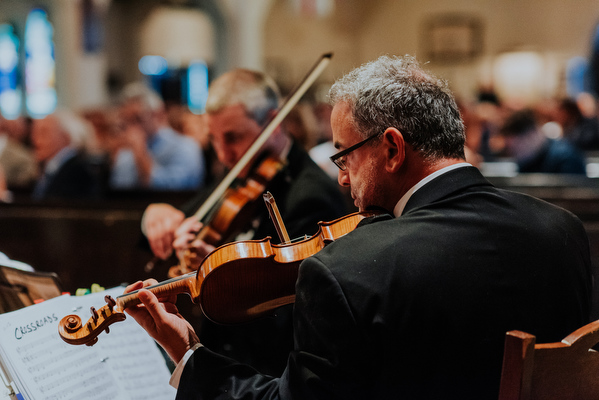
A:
x,y
94,312
110,301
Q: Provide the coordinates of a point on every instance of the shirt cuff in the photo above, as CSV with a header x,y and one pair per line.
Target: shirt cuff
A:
x,y
176,376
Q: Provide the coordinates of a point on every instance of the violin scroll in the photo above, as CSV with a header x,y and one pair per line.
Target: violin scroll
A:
x,y
72,331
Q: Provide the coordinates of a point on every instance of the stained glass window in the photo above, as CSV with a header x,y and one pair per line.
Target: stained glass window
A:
x,y
10,91
197,86
39,65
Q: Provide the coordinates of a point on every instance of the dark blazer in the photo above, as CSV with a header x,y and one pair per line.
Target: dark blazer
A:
x,y
75,179
417,307
305,195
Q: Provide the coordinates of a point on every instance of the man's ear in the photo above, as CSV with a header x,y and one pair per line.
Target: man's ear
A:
x,y
395,149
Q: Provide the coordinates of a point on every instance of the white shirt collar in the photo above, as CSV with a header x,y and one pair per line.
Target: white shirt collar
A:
x,y
398,210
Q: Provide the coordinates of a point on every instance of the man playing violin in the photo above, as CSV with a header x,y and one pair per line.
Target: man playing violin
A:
x,y
239,105
413,304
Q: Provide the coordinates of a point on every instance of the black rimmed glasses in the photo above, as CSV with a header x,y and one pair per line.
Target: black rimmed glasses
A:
x,y
339,158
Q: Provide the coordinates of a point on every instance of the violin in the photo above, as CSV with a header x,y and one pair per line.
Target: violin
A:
x,y
235,205
235,208
236,283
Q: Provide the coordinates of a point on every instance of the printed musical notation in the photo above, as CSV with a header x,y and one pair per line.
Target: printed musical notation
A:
x,y
125,364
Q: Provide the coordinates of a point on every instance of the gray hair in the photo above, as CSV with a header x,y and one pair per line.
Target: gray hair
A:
x,y
396,92
257,92
79,130
138,91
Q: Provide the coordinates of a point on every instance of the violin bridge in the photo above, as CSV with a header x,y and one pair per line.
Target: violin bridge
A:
x,y
276,218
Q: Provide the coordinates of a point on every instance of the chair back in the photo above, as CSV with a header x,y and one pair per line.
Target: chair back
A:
x,y
566,370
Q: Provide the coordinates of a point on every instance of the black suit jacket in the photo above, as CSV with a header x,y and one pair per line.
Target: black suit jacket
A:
x,y
75,179
417,307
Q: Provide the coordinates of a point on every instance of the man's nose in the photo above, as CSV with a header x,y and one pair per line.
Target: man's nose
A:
x,y
343,178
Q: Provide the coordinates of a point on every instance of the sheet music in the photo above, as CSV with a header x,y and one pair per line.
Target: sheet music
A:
x,y
123,365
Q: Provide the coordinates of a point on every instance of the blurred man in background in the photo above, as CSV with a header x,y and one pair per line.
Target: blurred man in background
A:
x,y
533,151
59,144
152,155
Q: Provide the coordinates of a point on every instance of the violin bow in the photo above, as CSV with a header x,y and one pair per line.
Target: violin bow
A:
x,y
291,101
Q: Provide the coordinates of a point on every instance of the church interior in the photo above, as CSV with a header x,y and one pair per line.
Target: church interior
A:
x,y
531,53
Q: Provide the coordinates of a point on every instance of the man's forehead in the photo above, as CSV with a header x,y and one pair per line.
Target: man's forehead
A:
x,y
220,125
341,114
342,125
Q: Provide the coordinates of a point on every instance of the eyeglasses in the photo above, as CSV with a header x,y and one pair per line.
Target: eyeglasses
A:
x,y
339,158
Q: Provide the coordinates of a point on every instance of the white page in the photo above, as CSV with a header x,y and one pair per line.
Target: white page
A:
x,y
44,367
132,355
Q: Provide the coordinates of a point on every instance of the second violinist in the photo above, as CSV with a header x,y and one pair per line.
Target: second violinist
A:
x,y
239,104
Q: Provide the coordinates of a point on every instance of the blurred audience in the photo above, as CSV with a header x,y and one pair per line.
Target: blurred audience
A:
x,y
151,154
6,195
533,151
106,142
474,129
59,142
580,130
106,134
301,124
19,129
489,113
139,144
321,153
189,124
194,126
16,159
